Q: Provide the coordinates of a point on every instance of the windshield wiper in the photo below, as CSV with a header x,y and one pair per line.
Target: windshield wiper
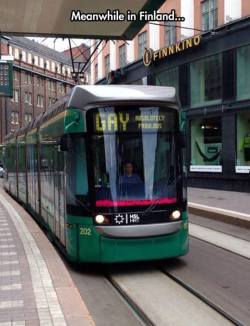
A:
x,y
153,205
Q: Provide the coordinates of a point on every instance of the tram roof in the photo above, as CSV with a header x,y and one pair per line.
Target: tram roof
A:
x,y
84,95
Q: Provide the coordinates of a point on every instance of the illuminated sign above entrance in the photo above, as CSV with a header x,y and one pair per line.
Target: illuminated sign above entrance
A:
x,y
151,56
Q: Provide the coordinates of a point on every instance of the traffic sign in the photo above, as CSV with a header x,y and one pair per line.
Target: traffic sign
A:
x,y
6,78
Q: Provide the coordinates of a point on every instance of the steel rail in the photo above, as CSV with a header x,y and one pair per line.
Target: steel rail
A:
x,y
202,297
144,319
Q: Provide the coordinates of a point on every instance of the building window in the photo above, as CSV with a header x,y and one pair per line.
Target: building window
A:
x,y
16,54
122,56
47,64
96,71
15,95
206,80
209,14
51,101
52,85
61,87
142,44
10,51
40,99
58,68
40,81
69,72
27,117
41,63
206,144
170,33
14,118
36,60
53,66
28,98
107,64
15,75
243,143
30,58
28,78
24,56
243,72
168,78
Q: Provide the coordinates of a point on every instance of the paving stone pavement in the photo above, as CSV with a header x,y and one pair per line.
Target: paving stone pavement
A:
x,y
35,286
230,200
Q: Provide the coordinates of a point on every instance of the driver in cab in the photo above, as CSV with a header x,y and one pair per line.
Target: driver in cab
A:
x,y
129,176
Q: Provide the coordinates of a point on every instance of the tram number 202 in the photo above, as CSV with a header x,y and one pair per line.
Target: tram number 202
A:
x,y
85,231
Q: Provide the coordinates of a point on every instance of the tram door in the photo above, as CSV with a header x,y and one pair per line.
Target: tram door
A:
x,y
59,195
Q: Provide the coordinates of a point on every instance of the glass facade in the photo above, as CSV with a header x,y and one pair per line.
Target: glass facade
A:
x,y
243,72
206,81
243,139
206,141
168,78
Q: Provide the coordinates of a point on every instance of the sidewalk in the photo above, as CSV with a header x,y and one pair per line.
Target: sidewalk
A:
x,y
35,286
229,206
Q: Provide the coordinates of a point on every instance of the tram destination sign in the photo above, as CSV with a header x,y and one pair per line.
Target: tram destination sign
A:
x,y
151,56
6,78
134,121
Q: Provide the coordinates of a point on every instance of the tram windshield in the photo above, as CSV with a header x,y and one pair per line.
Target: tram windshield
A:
x,y
134,156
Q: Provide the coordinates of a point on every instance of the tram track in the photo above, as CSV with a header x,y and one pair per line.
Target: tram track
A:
x,y
202,297
140,314
145,310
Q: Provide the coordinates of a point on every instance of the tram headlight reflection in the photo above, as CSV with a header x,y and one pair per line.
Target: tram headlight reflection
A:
x,y
175,215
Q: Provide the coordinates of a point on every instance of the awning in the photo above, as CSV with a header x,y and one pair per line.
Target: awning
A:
x,y
51,18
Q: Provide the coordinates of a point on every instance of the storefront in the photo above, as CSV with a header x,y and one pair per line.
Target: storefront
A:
x,y
212,78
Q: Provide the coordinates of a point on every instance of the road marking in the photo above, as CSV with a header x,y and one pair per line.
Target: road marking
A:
x,y
7,246
9,262
10,253
222,240
10,273
4,229
10,287
40,276
11,304
220,210
5,234
6,240
13,323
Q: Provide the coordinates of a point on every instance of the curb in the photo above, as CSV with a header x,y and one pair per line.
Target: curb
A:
x,y
219,214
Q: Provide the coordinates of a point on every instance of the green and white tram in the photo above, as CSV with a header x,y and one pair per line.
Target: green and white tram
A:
x,y
102,171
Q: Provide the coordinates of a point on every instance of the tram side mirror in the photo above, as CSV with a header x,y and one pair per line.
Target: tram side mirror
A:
x,y
65,143
182,139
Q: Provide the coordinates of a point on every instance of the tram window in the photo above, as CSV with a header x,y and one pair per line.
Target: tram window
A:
x,y
134,167
77,179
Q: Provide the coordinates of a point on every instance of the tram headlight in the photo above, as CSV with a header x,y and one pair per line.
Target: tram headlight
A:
x,y
99,219
175,215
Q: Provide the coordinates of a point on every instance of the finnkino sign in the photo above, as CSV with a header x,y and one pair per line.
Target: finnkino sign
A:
x,y
151,56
